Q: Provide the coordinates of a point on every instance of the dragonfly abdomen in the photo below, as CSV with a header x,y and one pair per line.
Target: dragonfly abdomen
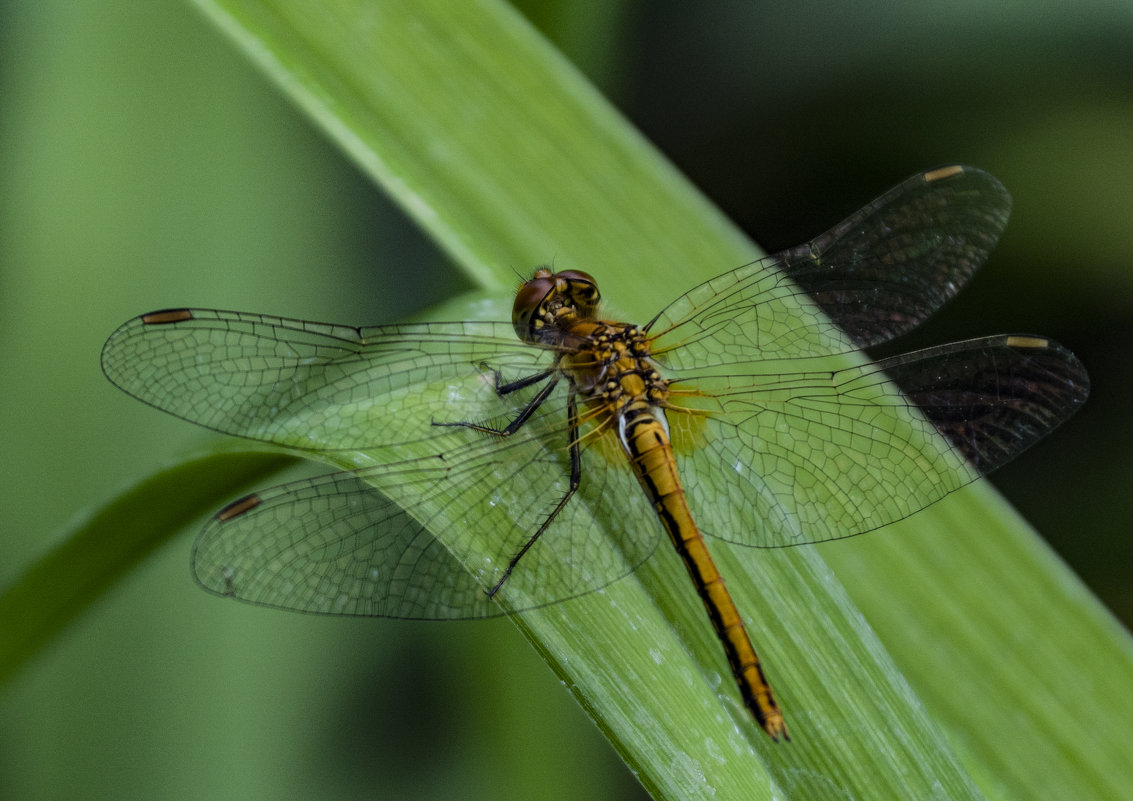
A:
x,y
645,437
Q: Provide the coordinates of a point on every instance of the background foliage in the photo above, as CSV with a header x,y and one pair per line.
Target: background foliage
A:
x,y
146,164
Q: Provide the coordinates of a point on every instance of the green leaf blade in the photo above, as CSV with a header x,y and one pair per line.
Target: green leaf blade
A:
x,y
98,550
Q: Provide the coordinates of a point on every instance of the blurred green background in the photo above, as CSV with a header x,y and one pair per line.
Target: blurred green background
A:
x,y
145,164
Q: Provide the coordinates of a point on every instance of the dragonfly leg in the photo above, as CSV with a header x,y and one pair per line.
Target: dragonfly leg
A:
x,y
572,487
511,386
525,414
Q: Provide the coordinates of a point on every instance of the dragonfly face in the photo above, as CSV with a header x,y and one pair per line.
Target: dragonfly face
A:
x,y
463,422
546,305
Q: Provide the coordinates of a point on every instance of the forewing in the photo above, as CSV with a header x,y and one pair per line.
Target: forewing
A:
x,y
340,545
316,386
874,276
823,455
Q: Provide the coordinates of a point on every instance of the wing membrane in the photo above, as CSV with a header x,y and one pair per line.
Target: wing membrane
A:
x,y
992,398
315,386
824,455
875,276
337,545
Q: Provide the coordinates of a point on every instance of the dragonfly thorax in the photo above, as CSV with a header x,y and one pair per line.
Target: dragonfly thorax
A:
x,y
611,368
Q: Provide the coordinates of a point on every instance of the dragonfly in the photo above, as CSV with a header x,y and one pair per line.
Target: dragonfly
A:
x,y
746,401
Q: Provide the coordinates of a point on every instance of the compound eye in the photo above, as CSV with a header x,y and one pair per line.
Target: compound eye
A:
x,y
577,277
582,290
528,300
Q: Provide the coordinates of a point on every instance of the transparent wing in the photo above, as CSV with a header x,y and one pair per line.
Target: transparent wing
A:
x,y
874,276
316,386
337,545
823,455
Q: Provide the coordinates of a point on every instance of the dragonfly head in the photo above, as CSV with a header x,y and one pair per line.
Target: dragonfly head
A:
x,y
549,302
